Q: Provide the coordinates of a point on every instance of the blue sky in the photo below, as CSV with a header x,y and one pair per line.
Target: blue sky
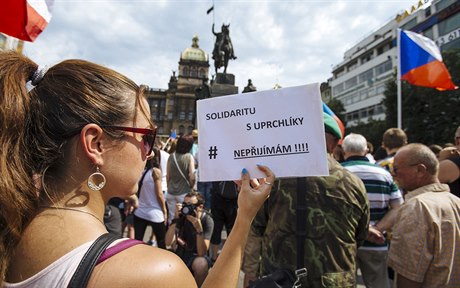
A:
x,y
287,42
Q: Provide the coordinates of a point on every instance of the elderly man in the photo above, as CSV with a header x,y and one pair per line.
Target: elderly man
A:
x,y
384,198
426,235
337,218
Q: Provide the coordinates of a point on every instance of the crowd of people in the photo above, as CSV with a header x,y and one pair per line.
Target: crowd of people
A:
x,y
96,166
393,215
74,136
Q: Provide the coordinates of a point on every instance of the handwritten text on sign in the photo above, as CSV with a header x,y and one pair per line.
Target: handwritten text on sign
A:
x,y
281,128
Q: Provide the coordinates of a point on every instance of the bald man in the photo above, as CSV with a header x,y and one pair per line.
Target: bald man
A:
x,y
427,232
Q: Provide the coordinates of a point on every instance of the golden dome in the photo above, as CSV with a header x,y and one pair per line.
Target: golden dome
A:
x,y
194,52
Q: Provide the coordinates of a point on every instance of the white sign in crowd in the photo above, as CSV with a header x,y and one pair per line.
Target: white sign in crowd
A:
x,y
282,129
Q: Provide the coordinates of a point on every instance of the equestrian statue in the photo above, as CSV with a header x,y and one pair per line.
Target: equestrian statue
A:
x,y
223,48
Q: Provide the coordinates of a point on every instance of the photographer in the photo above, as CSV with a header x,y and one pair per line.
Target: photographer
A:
x,y
189,235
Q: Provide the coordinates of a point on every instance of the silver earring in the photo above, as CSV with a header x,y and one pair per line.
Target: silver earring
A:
x,y
99,177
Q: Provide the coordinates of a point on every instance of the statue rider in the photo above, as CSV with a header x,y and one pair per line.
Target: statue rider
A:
x,y
223,47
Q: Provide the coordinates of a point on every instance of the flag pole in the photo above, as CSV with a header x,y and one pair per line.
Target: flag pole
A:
x,y
398,82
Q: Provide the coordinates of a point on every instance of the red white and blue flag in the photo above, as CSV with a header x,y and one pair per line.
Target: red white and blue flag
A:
x,y
24,19
421,62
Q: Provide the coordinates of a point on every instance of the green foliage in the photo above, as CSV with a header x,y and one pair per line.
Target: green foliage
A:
x,y
372,130
337,106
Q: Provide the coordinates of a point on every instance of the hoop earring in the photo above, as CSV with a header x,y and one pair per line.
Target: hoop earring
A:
x,y
96,176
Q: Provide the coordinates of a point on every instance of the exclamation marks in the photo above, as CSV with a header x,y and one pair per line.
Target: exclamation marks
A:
x,y
301,148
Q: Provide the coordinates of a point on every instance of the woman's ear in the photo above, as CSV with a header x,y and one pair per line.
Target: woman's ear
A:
x,y
91,140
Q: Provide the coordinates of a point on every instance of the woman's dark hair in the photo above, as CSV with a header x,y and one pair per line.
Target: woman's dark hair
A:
x,y
184,144
37,126
156,160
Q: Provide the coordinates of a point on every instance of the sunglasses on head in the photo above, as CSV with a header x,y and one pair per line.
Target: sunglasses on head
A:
x,y
148,135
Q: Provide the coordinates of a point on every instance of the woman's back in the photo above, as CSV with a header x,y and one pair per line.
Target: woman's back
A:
x,y
177,183
149,207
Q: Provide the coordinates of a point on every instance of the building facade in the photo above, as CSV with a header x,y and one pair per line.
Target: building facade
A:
x,y
359,80
175,107
10,43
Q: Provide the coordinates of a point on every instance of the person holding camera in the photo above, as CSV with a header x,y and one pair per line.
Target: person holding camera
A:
x,y
189,235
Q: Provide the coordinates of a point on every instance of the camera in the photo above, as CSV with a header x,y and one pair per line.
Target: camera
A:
x,y
188,209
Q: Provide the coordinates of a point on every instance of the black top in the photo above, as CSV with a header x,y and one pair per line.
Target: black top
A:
x,y
455,185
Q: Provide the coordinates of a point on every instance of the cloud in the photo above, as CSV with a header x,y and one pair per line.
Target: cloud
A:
x,y
286,42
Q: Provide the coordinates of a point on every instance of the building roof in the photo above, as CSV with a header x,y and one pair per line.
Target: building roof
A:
x,y
194,52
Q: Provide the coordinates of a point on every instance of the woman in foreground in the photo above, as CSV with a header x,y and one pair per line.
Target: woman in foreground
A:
x,y
79,137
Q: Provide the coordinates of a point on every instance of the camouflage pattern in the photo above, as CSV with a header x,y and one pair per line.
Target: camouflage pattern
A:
x,y
337,222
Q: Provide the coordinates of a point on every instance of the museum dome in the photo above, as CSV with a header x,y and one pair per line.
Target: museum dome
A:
x,y
194,52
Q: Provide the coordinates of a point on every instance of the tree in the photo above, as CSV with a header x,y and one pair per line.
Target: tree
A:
x,y
372,130
337,107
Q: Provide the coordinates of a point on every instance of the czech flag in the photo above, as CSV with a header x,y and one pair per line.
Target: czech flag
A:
x,y
24,19
328,111
421,62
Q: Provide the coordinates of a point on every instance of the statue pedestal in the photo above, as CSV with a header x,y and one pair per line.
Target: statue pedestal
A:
x,y
224,84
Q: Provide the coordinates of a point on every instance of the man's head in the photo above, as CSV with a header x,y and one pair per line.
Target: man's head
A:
x,y
354,145
393,139
333,133
195,199
195,134
414,166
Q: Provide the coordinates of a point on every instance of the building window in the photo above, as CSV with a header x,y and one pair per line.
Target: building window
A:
x,y
449,24
365,76
170,116
186,72
181,115
350,83
181,129
382,68
338,89
353,66
193,72
429,33
444,4
366,58
409,25
339,73
381,89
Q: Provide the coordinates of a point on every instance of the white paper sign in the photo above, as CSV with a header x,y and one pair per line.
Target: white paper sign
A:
x,y
282,129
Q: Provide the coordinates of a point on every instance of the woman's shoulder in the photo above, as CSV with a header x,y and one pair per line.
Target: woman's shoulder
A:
x,y
156,173
143,266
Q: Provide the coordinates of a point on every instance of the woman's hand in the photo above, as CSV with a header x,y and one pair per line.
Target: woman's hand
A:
x,y
251,199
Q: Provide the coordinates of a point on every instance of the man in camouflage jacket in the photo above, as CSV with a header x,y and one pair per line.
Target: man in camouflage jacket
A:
x,y
337,223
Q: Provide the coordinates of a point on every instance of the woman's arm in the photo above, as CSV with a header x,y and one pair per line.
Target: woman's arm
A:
x,y
448,171
191,171
226,270
168,170
156,174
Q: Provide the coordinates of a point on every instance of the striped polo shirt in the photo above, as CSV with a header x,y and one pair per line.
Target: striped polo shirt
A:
x,y
380,187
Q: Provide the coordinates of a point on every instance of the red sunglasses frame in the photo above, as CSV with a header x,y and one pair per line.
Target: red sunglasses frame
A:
x,y
144,131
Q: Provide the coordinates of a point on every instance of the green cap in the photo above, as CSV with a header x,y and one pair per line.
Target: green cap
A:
x,y
331,126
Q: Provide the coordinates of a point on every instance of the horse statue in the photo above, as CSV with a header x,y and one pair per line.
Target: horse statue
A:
x,y
223,48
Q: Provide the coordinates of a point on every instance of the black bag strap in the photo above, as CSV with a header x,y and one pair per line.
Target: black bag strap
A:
x,y
81,276
301,220
141,182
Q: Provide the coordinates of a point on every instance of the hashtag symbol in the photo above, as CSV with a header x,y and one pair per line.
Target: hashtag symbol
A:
x,y
212,152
